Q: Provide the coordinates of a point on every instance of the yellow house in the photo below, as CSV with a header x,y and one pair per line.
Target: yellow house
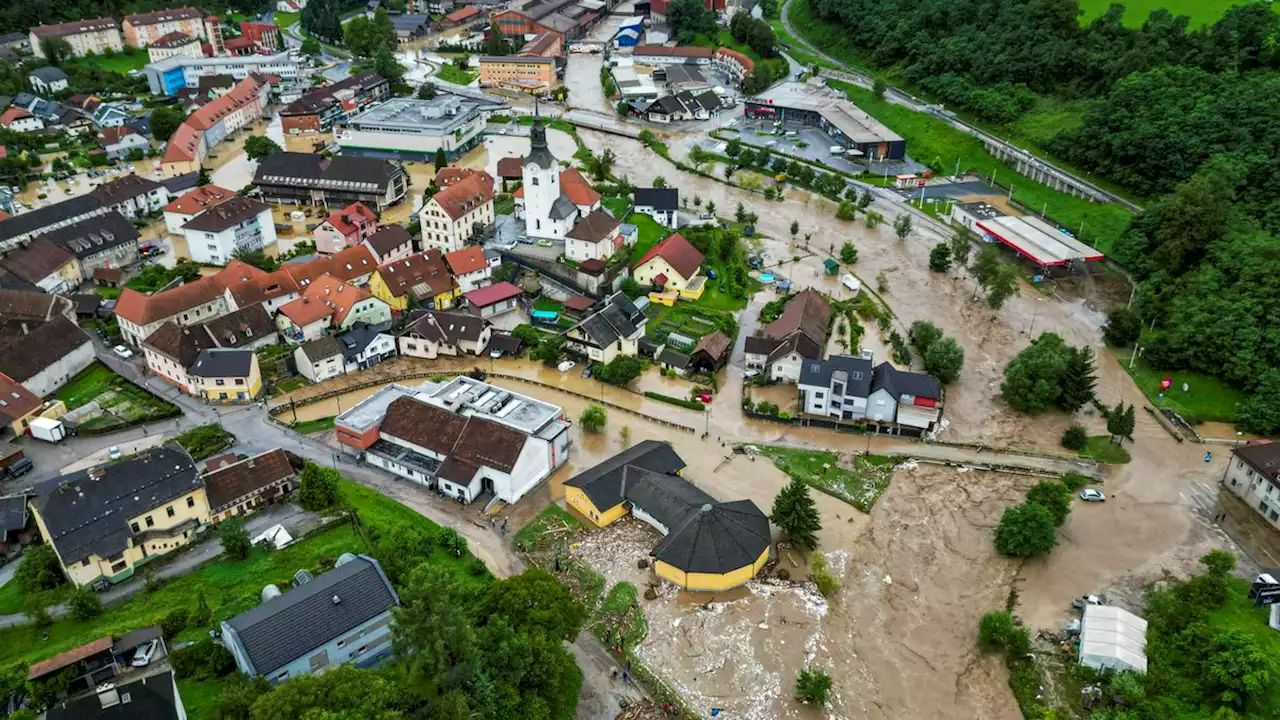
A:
x,y
424,277
20,405
105,522
673,264
707,545
225,375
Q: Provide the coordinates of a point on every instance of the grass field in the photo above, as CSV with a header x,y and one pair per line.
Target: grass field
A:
x,y
121,62
553,517
1201,12
306,427
1207,398
937,144
1100,448
620,619
14,601
287,19
293,383
860,483
92,382
617,206
451,73
229,587
649,233
199,697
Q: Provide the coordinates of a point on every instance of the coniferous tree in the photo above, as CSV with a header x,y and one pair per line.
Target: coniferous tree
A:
x,y
795,512
1078,380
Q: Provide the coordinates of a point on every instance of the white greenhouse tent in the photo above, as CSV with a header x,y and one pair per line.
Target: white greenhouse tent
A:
x,y
1113,638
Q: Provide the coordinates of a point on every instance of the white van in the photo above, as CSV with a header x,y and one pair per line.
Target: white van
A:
x,y
836,150
851,282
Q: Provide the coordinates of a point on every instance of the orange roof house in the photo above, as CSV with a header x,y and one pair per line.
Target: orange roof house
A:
x,y
467,260
326,296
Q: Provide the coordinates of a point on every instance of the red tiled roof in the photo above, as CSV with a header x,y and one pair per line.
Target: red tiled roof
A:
x,y
747,63
18,400
679,50
519,193
404,275
511,168
173,40
13,114
492,294
260,288
325,296
244,93
141,309
452,175
466,260
679,253
197,200
347,264
576,188
184,144
349,219
465,195
113,135
70,657
579,303
462,14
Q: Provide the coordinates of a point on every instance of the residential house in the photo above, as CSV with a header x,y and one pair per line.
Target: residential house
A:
x,y
141,315
799,334
317,111
471,439
213,122
550,199
710,353
17,406
46,265
329,303
226,375
184,152
153,697
668,55
365,345
661,204
172,350
319,359
144,29
242,487
102,241
343,228
119,142
19,120
174,43
423,278
673,264
270,290
431,333
86,37
108,115
470,268
40,344
19,228
594,237
343,616
457,212
354,265
184,209
612,330
239,224
105,520
132,195
510,172
47,80
390,243
1254,475
907,398
309,179
493,300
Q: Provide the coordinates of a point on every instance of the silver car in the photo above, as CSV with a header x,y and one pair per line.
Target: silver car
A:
x,y
1091,495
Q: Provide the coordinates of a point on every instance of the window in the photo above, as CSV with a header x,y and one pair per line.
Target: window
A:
x,y
135,527
191,502
281,675
1274,516
220,382
149,521
169,511
119,567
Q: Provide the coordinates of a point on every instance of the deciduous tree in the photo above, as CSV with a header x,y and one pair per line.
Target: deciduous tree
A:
x,y
1025,530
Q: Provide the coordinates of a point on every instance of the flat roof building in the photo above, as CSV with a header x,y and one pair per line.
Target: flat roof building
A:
x,y
848,125
171,74
1033,238
414,129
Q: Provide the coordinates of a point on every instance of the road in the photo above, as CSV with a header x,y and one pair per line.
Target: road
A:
x,y
907,100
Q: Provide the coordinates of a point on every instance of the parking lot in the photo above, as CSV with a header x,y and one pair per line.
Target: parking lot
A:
x,y
810,143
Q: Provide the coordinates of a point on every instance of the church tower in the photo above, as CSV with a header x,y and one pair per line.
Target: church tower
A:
x,y
541,178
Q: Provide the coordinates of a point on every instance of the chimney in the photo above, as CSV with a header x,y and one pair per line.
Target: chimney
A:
x,y
337,600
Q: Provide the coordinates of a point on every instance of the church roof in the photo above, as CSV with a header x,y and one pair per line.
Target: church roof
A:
x,y
539,153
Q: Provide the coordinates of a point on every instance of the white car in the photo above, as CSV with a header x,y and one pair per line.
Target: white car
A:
x,y
495,354
122,351
1091,495
142,657
566,366
748,374
114,452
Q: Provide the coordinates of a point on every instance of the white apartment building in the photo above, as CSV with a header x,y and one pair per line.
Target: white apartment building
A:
x,y
85,37
239,224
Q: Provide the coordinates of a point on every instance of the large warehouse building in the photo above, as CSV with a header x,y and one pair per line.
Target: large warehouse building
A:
x,y
1037,240
846,125
707,545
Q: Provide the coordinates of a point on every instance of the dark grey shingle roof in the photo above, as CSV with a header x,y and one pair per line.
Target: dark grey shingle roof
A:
x,y
716,538
603,483
150,698
40,218
321,348
900,382
301,620
354,341
222,363
857,372
658,198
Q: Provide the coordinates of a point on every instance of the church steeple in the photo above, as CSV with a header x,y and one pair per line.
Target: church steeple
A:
x,y
539,153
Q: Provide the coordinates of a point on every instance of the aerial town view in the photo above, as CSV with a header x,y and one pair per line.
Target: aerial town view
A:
x,y
640,359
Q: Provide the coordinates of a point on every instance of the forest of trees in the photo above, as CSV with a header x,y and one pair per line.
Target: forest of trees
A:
x,y
1182,116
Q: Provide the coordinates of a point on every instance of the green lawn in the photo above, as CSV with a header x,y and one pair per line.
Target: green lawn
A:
x,y
286,19
504,205
860,483
13,600
121,62
1100,448
616,205
937,144
713,299
1207,398
199,697
229,587
620,619
87,385
546,303
293,383
452,73
306,427
553,518
205,440
648,234
1201,12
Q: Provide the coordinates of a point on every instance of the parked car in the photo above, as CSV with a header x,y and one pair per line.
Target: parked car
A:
x,y
114,452
712,274
495,354
1091,495
586,372
21,467
704,398
122,351
543,242
748,374
566,366
142,657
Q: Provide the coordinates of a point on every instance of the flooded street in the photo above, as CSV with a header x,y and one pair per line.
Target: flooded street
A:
x,y
582,77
